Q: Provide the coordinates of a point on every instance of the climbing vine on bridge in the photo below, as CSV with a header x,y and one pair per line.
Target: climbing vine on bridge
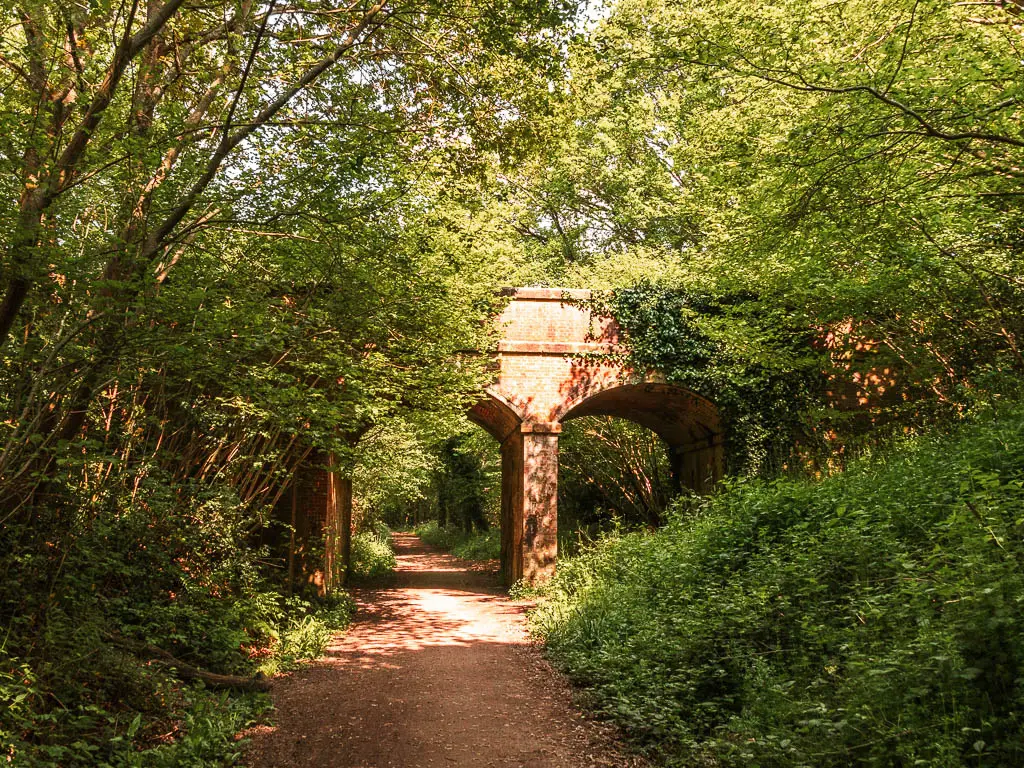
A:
x,y
760,369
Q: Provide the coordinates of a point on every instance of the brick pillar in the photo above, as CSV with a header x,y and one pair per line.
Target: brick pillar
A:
x,y
529,503
337,529
699,466
511,507
321,547
310,492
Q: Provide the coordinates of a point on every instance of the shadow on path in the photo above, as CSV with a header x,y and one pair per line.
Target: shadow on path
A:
x,y
436,671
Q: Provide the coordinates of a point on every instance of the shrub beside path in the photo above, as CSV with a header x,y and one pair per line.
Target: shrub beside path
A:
x,y
436,671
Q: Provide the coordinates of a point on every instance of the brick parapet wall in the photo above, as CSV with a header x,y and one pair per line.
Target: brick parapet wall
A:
x,y
544,332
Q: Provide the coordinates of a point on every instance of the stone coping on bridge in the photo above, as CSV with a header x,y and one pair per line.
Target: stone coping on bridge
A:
x,y
558,347
547,294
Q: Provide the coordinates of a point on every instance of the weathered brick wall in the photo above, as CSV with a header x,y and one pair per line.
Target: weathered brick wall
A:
x,y
543,334
312,495
554,315
545,377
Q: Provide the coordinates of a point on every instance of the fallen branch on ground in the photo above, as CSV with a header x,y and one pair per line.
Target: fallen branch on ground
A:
x,y
187,671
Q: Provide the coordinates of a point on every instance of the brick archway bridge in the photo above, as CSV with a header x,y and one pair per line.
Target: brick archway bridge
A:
x,y
553,366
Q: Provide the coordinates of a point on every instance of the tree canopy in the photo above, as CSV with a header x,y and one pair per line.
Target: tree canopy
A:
x,y
240,240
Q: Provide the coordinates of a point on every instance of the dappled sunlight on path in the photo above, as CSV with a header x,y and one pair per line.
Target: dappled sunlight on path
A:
x,y
436,671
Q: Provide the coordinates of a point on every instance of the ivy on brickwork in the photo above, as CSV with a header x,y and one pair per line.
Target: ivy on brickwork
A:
x,y
762,371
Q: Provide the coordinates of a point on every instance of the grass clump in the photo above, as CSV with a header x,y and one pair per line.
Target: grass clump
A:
x,y
475,545
872,618
373,555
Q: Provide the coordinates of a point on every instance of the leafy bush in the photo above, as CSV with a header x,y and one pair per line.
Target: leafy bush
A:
x,y
611,469
436,535
372,554
300,630
872,618
478,545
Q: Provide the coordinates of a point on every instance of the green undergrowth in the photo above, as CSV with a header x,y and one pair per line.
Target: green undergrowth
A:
x,y
873,618
373,556
117,707
86,619
477,545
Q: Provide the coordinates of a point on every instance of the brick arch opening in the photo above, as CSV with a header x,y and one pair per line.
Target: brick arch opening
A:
x,y
688,423
503,421
496,415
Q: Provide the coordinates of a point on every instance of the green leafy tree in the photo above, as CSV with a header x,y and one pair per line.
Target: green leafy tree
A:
x,y
236,236
845,171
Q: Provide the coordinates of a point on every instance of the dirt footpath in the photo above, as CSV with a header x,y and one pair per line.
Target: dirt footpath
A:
x,y
436,671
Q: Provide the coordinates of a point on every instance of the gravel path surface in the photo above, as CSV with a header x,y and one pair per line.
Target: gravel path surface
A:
x,y
436,671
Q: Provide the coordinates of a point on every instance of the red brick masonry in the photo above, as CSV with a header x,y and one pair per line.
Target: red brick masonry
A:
x,y
558,361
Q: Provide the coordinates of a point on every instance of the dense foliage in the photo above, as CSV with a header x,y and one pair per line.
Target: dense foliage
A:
x,y
763,370
873,618
241,241
80,683
786,188
235,236
463,484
